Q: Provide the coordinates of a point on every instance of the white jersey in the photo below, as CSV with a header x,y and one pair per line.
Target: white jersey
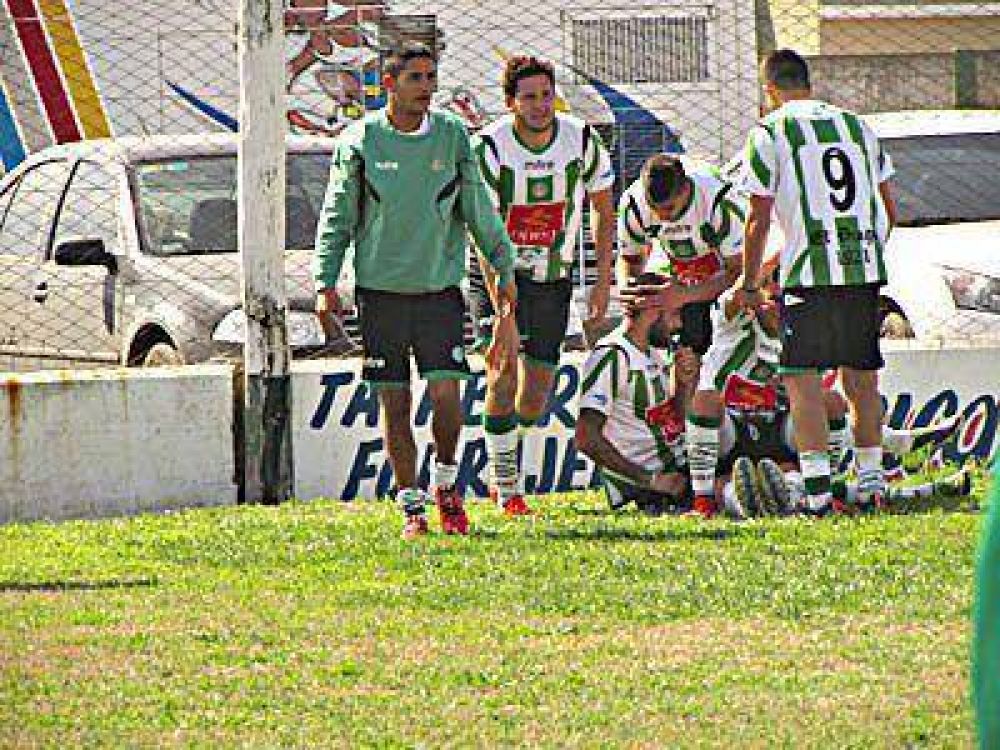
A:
x,y
822,165
693,246
622,382
540,193
741,347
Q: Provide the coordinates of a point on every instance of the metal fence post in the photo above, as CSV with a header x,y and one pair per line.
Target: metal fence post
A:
x,y
267,455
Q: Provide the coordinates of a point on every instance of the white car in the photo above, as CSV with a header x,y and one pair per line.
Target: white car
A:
x,y
943,258
125,252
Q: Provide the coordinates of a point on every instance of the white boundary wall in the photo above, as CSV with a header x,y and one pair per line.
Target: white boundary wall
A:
x,y
99,443
339,453
87,444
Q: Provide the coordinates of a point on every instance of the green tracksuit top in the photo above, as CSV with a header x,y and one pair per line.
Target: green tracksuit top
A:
x,y
986,646
404,200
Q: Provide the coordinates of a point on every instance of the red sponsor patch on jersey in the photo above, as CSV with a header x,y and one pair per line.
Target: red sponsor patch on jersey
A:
x,y
668,417
537,224
747,395
695,270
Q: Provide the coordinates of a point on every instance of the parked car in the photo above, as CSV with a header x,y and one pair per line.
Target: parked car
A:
x,y
943,258
125,251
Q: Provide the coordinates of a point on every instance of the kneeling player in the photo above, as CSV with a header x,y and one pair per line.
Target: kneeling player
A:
x,y
625,386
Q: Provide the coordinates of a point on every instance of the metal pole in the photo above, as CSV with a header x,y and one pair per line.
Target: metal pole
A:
x,y
267,402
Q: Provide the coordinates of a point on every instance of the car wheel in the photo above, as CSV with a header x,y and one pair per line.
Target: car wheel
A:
x,y
895,326
162,355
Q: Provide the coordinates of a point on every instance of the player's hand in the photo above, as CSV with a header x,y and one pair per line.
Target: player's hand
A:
x,y
504,344
597,302
687,364
330,311
747,297
668,484
670,296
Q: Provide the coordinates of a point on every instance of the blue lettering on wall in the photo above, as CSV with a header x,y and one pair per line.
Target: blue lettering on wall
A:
x,y
563,393
331,382
362,467
364,401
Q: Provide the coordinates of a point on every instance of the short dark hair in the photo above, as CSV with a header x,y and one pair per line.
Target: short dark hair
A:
x,y
787,70
662,176
399,56
520,67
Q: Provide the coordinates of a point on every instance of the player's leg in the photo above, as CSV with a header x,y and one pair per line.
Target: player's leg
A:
x,y
440,353
702,427
839,437
805,348
856,330
386,340
545,328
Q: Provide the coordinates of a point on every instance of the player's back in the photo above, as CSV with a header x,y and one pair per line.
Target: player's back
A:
x,y
823,165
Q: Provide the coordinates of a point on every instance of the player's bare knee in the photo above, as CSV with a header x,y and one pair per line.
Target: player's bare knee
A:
x,y
707,404
444,394
835,405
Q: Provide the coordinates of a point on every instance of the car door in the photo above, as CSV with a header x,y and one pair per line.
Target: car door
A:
x,y
82,300
25,330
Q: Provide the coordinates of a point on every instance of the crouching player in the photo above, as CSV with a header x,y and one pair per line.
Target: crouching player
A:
x,y
739,417
626,386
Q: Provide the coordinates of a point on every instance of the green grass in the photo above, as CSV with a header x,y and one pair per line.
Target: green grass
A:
x,y
315,625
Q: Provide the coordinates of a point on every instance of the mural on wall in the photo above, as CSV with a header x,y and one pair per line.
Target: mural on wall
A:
x,y
56,82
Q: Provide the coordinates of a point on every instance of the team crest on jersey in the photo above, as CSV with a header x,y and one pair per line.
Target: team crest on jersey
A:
x,y
536,224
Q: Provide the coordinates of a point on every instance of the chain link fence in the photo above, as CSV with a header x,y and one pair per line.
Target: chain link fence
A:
x,y
117,120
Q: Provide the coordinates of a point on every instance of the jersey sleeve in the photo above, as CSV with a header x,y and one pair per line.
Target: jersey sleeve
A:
x,y
728,219
488,159
598,174
884,168
631,232
601,378
760,169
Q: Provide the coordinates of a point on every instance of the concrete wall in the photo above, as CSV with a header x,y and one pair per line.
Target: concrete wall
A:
x,y
115,442
339,451
118,442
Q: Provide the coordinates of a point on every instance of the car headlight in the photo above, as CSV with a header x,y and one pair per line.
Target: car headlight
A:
x,y
304,329
973,291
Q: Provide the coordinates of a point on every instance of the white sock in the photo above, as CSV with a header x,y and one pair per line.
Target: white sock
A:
x,y
501,450
869,463
702,440
444,475
896,441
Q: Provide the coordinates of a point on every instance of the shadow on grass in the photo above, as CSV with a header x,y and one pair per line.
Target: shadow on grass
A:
x,y
616,534
58,586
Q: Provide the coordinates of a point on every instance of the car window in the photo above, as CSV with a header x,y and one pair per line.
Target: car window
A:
x,y
946,178
188,206
90,209
33,205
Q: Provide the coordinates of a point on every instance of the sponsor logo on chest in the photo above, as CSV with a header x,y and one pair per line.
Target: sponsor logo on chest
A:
x,y
539,165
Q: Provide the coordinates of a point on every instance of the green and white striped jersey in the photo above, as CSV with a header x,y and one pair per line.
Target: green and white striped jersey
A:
x,y
740,346
540,192
622,382
823,166
693,246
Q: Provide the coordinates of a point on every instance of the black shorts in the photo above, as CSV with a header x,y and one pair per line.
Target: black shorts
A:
x,y
429,325
757,435
834,326
542,316
696,326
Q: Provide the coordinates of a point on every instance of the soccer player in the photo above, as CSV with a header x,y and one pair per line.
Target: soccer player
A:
x,y
679,218
540,166
625,382
404,186
825,176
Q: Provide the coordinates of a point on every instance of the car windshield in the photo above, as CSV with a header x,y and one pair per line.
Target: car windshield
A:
x,y
188,206
946,178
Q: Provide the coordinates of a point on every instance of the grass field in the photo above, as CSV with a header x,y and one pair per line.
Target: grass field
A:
x,y
315,625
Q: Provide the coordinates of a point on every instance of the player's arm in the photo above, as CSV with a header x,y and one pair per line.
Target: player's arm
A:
x,y
760,180
602,224
633,244
885,172
591,441
599,179
335,230
479,213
